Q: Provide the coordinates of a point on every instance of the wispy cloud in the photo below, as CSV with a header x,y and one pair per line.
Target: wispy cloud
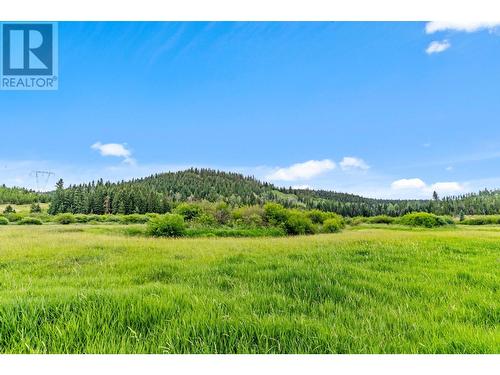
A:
x,y
114,149
351,162
302,171
437,47
468,27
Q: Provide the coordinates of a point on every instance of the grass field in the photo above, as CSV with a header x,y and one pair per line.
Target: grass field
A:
x,y
23,208
87,289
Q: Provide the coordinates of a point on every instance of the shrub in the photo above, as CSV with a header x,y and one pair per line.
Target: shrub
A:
x,y
108,218
222,213
134,219
357,220
14,217
481,220
422,219
236,232
96,218
447,219
46,218
65,218
4,220
35,208
81,218
250,216
190,211
168,225
317,216
332,225
9,210
30,221
381,219
206,219
275,214
298,223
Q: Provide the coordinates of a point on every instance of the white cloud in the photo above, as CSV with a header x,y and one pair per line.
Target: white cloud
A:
x,y
447,187
301,187
449,168
437,47
468,27
418,186
408,183
350,162
114,149
302,171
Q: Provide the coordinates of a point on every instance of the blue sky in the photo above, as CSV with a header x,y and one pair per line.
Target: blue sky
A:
x,y
379,109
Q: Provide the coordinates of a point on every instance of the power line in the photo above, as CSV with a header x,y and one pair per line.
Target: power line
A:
x,y
42,178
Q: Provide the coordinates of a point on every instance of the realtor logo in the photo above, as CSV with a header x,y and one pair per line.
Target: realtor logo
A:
x,y
28,56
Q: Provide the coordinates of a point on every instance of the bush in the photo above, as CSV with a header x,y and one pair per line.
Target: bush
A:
x,y
189,211
14,217
332,225
35,208
9,210
481,220
381,219
30,221
250,216
134,219
65,219
236,232
46,218
4,220
448,220
206,219
108,218
168,225
298,223
82,218
422,219
358,220
317,216
275,214
222,213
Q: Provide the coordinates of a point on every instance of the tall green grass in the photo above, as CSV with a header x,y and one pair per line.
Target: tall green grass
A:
x,y
75,289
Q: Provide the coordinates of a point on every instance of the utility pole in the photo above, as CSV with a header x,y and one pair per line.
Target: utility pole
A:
x,y
42,178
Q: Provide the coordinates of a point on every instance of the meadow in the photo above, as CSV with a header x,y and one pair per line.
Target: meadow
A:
x,y
368,289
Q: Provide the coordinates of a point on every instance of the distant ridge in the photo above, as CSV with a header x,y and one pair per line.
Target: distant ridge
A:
x,y
159,192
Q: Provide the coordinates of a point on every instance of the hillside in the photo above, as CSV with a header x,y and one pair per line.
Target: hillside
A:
x,y
16,195
160,192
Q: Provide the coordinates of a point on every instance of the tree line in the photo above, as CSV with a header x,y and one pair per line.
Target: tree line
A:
x,y
160,193
17,195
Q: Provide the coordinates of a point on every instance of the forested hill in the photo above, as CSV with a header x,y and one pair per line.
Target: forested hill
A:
x,y
161,192
21,196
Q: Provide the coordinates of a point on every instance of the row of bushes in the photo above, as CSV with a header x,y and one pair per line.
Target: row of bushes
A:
x,y
415,219
192,218
206,215
482,220
275,217
24,221
68,218
424,219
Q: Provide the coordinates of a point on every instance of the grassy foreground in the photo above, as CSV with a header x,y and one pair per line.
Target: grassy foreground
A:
x,y
75,289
